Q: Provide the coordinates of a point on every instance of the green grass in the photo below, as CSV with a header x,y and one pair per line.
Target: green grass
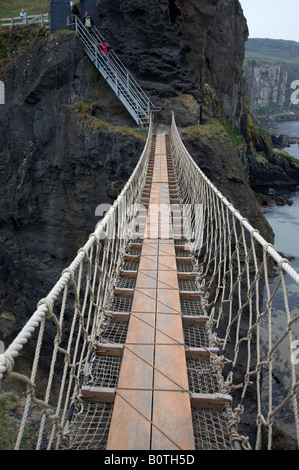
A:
x,y
11,405
272,50
213,128
15,40
84,110
12,8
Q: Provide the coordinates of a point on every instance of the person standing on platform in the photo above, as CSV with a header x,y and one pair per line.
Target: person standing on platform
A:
x,y
88,22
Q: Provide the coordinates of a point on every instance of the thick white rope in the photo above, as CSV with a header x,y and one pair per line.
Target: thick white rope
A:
x,y
13,351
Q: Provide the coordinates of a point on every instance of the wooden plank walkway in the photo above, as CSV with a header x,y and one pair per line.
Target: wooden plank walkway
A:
x,y
152,408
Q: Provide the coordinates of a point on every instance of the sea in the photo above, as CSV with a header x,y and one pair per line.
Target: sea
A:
x,y
284,221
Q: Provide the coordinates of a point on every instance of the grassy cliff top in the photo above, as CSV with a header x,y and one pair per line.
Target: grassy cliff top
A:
x,y
12,8
15,40
276,50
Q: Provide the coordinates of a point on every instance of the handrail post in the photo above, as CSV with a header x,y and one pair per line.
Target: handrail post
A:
x,y
128,81
96,56
116,83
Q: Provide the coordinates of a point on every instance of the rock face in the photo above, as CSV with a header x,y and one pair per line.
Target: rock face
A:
x,y
269,85
54,169
266,165
220,161
271,70
174,47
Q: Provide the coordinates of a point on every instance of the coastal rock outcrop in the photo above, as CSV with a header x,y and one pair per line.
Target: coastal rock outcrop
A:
x,y
55,167
271,75
266,164
59,165
174,47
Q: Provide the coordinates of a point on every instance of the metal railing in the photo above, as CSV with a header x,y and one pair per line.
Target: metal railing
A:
x,y
41,19
116,74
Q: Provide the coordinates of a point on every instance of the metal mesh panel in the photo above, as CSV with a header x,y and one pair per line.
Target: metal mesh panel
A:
x,y
115,332
196,336
180,242
104,371
126,282
201,377
121,304
210,430
192,307
130,266
133,251
188,285
90,428
184,254
184,268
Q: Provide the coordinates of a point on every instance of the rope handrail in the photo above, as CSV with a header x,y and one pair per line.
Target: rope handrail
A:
x,y
249,303
252,312
102,229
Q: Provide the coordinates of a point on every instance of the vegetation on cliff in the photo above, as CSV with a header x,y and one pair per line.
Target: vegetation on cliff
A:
x,y
11,407
213,128
272,50
271,73
13,7
15,40
86,110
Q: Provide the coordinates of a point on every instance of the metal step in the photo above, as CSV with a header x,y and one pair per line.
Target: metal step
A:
x,y
117,76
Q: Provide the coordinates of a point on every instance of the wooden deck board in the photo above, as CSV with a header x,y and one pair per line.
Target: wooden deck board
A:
x,y
152,407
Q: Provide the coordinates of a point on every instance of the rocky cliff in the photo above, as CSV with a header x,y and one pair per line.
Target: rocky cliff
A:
x,y
174,47
56,166
59,158
271,70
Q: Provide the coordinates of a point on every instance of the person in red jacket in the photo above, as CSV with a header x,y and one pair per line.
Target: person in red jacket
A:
x,y
104,49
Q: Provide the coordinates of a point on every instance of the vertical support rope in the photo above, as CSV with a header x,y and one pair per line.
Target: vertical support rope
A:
x,y
245,301
80,296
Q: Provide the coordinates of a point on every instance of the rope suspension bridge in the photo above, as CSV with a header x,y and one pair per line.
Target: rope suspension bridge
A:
x,y
162,329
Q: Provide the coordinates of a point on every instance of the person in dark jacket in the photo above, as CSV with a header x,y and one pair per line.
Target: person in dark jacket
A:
x,y
88,22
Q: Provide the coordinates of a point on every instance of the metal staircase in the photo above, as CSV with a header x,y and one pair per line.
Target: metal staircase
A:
x,y
117,76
